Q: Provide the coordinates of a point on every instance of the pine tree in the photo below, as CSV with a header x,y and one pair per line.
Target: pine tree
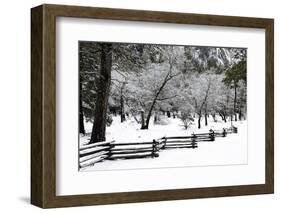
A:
x,y
236,73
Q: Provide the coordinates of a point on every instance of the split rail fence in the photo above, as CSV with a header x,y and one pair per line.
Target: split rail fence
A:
x,y
110,150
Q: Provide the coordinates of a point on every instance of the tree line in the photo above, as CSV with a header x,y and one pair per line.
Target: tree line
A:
x,y
145,81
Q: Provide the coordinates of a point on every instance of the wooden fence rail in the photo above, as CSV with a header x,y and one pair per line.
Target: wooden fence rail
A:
x,y
110,150
133,150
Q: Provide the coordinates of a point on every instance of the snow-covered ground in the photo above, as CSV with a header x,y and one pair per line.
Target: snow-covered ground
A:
x,y
223,151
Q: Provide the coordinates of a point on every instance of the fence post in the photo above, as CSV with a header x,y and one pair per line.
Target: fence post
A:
x,y
110,150
212,135
193,141
223,132
154,149
165,142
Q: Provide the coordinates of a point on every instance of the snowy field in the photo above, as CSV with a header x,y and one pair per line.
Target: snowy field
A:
x,y
231,150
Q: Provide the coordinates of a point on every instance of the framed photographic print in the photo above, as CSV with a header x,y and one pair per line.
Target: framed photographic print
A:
x,y
136,106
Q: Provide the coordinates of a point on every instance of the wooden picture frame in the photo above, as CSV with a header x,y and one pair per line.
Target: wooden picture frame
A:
x,y
43,105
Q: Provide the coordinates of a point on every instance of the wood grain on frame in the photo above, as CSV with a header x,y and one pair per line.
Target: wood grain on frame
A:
x,y
43,105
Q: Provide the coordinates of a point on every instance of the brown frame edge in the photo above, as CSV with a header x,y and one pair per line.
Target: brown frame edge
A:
x,y
43,105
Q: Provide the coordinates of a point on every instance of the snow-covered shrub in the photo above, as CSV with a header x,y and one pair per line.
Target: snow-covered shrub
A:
x,y
186,119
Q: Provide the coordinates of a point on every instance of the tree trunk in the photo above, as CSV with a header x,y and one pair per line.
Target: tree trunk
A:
x,y
167,78
235,100
199,121
156,117
122,113
240,114
223,116
204,104
206,115
136,119
206,119
142,120
103,87
168,114
214,117
145,126
81,114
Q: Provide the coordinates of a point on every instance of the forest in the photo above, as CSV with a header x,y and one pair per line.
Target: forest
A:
x,y
150,84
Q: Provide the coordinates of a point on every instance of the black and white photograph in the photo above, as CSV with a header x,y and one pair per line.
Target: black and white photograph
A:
x,y
149,106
